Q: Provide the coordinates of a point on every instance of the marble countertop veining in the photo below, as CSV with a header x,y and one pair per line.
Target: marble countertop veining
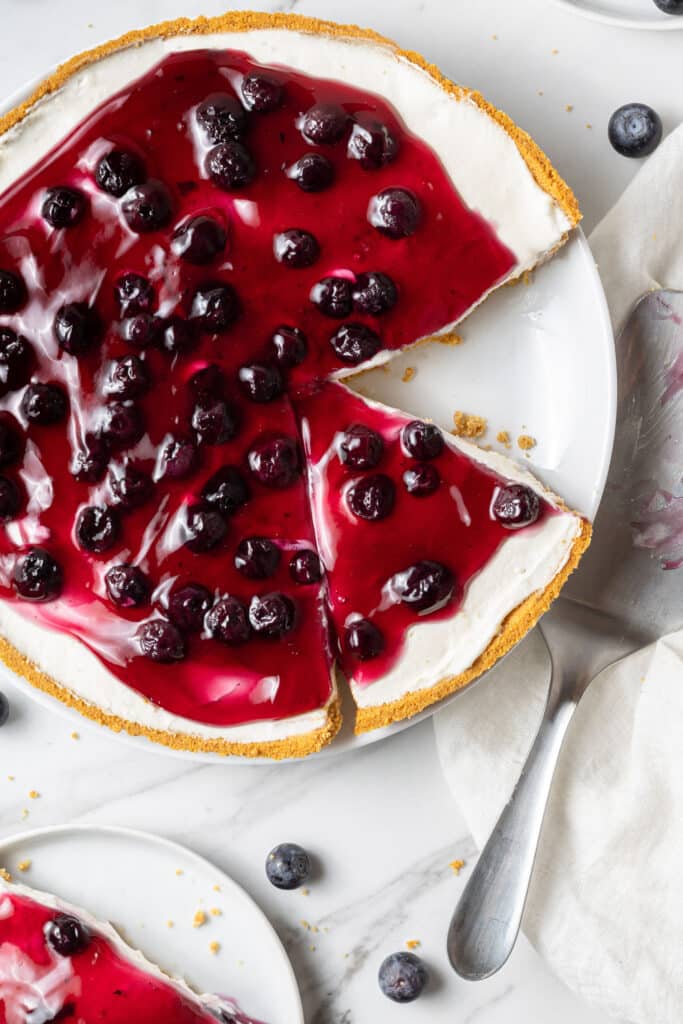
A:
x,y
382,823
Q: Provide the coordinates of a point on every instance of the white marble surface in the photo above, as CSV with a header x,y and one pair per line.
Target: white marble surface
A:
x,y
382,824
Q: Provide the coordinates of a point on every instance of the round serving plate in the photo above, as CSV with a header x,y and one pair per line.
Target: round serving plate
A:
x,y
139,882
624,13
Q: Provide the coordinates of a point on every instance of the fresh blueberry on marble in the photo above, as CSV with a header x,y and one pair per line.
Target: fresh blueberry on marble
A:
x,y
296,248
364,640
272,615
425,586
199,240
226,490
67,935
288,866
228,622
97,528
63,207
635,130
221,118
77,328
355,343
127,586
372,144
147,207
118,171
17,358
332,296
422,440
516,505
324,124
396,212
402,977
205,528
257,558
37,576
188,605
230,166
372,497
261,92
215,307
289,346
374,293
275,461
44,405
4,709
360,447
312,172
161,641
305,567
130,487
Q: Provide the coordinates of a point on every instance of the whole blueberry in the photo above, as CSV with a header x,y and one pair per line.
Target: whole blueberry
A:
x,y
17,359
372,497
161,641
179,335
199,240
422,440
421,480
228,622
257,558
332,296
402,977
118,171
312,172
288,866
215,307
67,935
355,343
187,606
324,124
127,377
127,586
213,420
44,404
147,207
425,586
134,294
272,615
178,458
305,567
226,490
364,640
261,92
221,118
275,461
374,293
205,528
289,346
77,328
63,207
515,506
674,7
260,382
360,447
4,709
230,166
97,528
121,424
89,462
11,440
296,248
635,129
209,382
372,144
130,486
37,576
396,212
13,294
10,499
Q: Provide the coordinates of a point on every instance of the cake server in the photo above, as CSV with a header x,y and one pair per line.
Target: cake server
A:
x,y
627,592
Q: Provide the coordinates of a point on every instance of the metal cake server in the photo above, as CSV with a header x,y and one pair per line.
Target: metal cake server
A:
x,y
627,593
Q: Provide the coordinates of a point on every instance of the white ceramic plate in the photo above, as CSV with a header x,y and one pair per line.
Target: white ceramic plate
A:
x,y
132,879
625,13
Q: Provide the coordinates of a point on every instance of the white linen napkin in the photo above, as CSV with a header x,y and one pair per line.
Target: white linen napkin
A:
x,y
606,903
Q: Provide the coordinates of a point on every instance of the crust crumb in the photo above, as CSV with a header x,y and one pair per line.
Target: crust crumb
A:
x,y
33,794
468,425
170,924
214,947
75,736
408,374
215,911
4,873
10,778
413,944
24,865
179,871
24,814
305,892
569,108
588,124
554,52
526,442
503,437
451,338
199,919
456,866
216,888
305,924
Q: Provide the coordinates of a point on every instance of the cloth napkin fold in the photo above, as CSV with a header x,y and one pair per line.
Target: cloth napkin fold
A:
x,y
606,903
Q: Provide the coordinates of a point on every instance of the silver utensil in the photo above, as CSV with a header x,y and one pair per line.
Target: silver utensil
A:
x,y
627,593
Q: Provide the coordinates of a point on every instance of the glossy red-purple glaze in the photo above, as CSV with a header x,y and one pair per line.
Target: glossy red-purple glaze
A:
x,y
450,261
453,526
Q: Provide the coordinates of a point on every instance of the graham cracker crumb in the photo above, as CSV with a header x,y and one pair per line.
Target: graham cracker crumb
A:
x,y
215,911
305,892
503,437
214,947
216,888
468,425
24,865
170,924
24,814
450,338
554,52
413,944
569,108
4,873
199,919
75,736
408,374
315,929
304,924
540,92
33,794
526,442
10,778
494,37
179,871
456,866
588,124
312,949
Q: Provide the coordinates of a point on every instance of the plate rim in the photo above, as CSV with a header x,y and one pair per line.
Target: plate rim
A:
x,y
646,24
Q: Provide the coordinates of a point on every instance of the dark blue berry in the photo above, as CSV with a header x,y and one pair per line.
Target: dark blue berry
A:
x,y
516,505
213,420
275,462
324,124
215,307
142,330
209,382
421,480
228,622
63,207
11,440
161,641
288,866
359,447
260,383
289,346
635,129
226,490
372,497
180,335
422,440
296,248
332,296
127,377
674,7
37,576
372,144
364,640
4,709
178,458
205,528
89,463
13,294
97,528
425,586
127,586
188,605
10,499
312,172
374,293
77,328
262,93
395,212
199,240
402,977
272,615
355,343
304,567
130,487
67,935
147,207
230,166
221,118
257,558
121,424
134,294
17,359
44,404
118,171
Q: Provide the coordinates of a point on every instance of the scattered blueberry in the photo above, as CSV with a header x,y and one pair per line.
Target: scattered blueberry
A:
x,y
77,328
228,622
288,866
674,7
13,294
209,382
374,293
127,586
355,343
312,172
364,640
260,383
188,605
372,497
131,487
161,641
230,166
213,420
16,360
402,977
305,567
199,240
422,480
179,335
395,212
37,576
422,440
97,528
226,490
89,463
360,447
178,458
372,144
215,307
11,440
221,118
10,499
257,558
261,93
63,207
296,248
324,124
119,171
289,346
425,586
205,528
332,296
4,709
635,129
147,207
516,505
67,935
44,404
127,377
121,424
134,294
275,461
272,615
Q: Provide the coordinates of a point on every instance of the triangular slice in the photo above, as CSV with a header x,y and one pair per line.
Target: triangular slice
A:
x,y
439,556
57,963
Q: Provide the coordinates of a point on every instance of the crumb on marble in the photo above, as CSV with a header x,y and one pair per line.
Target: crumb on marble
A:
x,y
569,107
215,911
10,778
216,888
494,36
503,437
75,736
413,944
170,924
539,92
305,892
449,338
4,873
24,865
214,947
312,949
24,813
305,924
33,794
588,125
179,871
554,52
199,919
526,442
408,374
468,425
456,866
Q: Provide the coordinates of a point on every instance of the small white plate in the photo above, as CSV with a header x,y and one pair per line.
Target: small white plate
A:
x,y
624,13
139,882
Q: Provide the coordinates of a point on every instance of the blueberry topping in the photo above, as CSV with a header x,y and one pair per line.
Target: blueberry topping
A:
x,y
228,622
261,93
180,335
402,977
213,421
289,346
128,377
178,458
127,586
425,586
161,641
199,240
422,480
635,130
221,118
422,440
230,166
272,615
188,605
355,343
67,935
674,7
395,212
130,487
121,424
63,207
16,360
288,866
11,441
37,576
275,462
77,328
296,248
257,558
215,307
208,382
4,709
13,294
134,294
372,497
97,528
10,499
364,640
374,294
44,404
304,567
516,505
226,490
372,144
359,447
260,383
312,172
205,528
332,296
119,171
147,207
324,124
89,463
